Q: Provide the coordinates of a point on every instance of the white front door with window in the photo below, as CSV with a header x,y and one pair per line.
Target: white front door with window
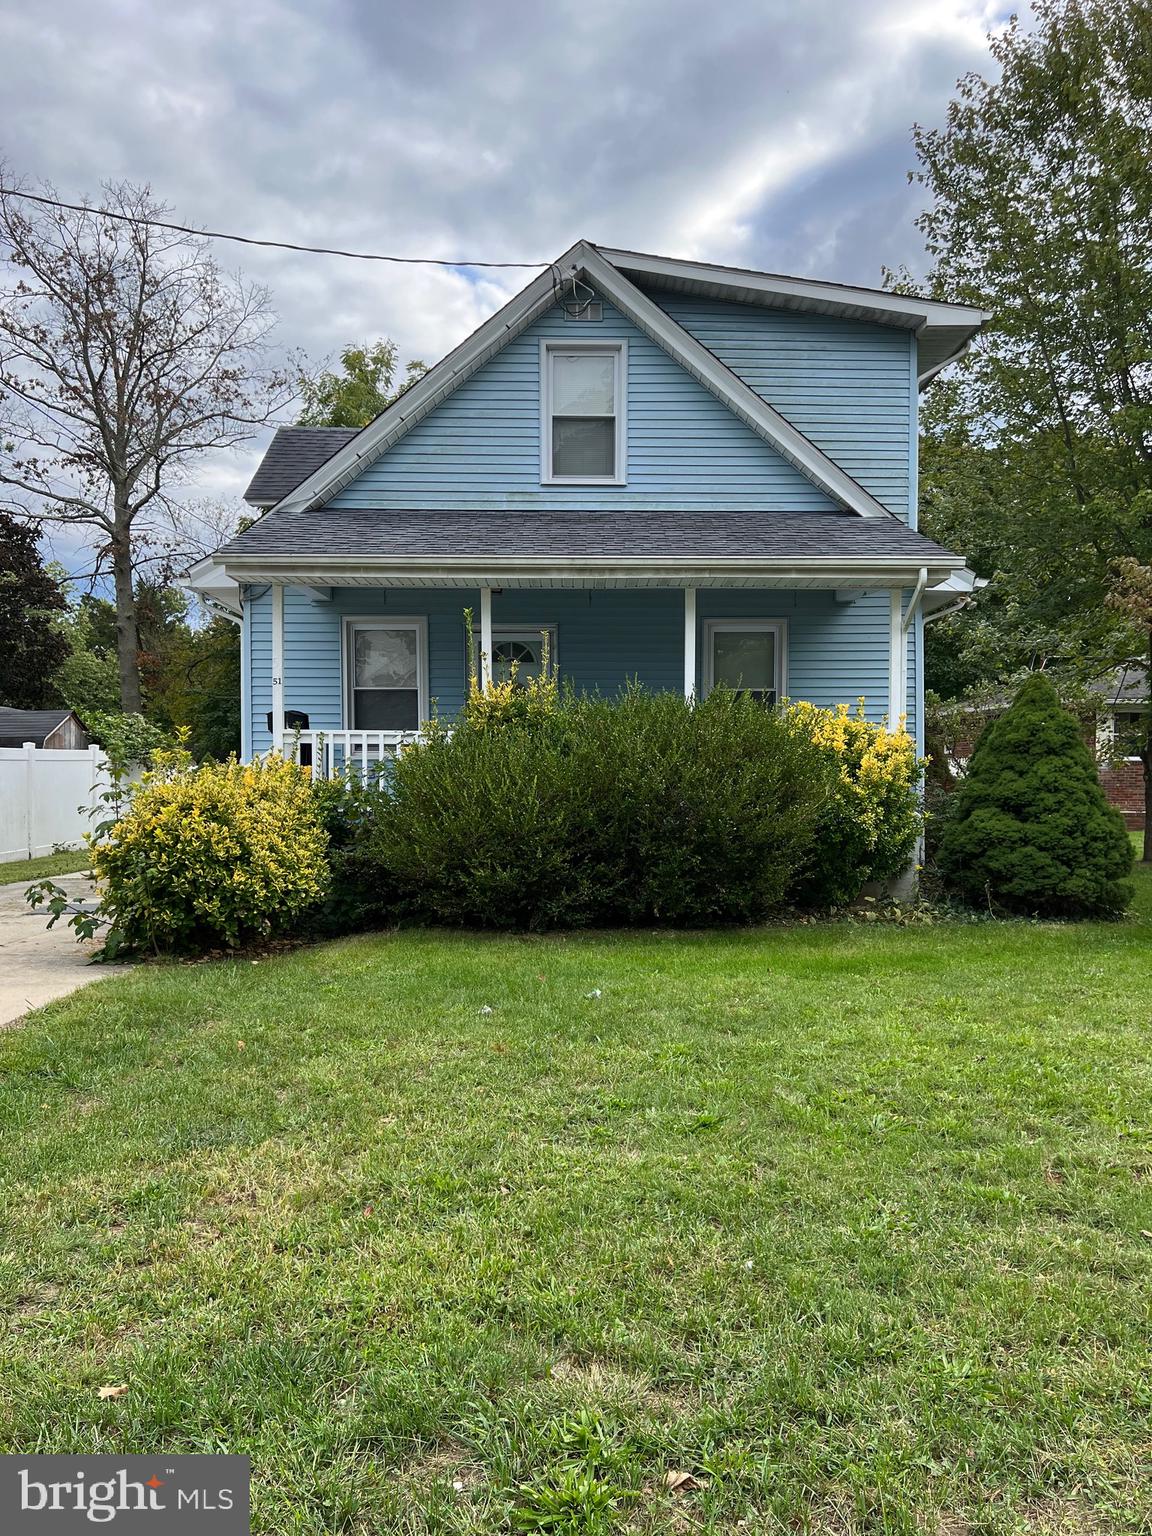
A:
x,y
519,649
746,655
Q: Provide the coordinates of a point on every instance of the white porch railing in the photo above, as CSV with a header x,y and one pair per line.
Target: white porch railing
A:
x,y
331,753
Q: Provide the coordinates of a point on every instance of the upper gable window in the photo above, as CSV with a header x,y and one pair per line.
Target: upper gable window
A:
x,y
582,413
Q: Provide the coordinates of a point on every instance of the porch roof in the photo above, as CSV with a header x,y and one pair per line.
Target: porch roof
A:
x,y
369,548
686,537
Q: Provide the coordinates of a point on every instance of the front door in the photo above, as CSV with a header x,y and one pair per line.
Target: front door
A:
x,y
520,652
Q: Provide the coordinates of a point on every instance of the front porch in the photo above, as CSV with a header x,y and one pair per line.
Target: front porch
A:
x,y
344,674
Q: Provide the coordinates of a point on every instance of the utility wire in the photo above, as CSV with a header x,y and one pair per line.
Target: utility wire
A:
x,y
280,245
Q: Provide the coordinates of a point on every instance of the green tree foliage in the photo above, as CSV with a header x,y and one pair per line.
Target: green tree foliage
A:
x,y
1029,828
190,670
196,684
31,601
87,682
1038,457
356,395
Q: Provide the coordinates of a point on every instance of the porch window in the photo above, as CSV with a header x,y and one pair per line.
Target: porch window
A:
x,y
387,675
522,648
747,655
582,413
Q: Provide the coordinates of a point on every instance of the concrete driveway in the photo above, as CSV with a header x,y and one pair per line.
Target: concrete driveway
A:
x,y
38,964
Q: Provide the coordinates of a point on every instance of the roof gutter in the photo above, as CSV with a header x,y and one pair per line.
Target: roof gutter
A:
x,y
480,570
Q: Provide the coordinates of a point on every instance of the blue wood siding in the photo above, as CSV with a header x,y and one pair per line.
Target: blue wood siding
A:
x,y
481,447
848,385
837,652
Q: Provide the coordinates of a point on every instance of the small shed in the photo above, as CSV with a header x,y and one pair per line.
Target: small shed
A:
x,y
49,728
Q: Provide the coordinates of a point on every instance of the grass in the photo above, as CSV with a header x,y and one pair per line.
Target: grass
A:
x,y
49,864
852,1224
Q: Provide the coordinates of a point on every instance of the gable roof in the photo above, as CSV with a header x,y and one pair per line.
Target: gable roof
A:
x,y
293,454
20,725
943,331
615,282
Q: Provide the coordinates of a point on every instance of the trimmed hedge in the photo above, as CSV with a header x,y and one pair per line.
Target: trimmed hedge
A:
x,y
644,809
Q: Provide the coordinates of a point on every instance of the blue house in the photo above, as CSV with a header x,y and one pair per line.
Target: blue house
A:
x,y
683,474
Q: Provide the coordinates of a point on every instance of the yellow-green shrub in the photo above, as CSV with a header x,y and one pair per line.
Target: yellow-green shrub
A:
x,y
219,854
529,700
868,829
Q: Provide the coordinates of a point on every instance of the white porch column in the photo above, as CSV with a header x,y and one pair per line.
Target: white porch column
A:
x,y
485,638
278,668
897,660
689,642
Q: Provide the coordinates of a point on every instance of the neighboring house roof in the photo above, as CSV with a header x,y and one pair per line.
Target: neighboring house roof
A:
x,y
357,532
20,725
945,330
1125,689
294,454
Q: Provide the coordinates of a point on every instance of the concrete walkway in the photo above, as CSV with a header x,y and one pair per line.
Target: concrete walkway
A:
x,y
36,963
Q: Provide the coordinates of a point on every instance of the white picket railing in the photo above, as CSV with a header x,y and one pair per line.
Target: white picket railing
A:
x,y
331,753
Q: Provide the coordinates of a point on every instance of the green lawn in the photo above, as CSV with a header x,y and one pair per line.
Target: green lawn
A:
x,y
50,864
853,1224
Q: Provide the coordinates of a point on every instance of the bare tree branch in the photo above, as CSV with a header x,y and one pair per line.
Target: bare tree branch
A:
x,y
125,355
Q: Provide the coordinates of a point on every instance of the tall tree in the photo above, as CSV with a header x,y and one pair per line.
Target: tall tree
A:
x,y
32,643
1040,210
125,355
365,387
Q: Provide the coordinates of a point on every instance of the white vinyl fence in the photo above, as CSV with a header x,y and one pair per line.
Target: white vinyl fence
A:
x,y
46,797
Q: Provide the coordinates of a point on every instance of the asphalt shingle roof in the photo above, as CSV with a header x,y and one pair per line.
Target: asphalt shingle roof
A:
x,y
376,534
293,454
20,725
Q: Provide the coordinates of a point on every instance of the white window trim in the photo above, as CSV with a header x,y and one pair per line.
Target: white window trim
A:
x,y
779,627
1107,734
354,621
527,632
620,390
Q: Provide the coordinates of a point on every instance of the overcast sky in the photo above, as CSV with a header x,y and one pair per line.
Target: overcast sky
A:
x,y
763,133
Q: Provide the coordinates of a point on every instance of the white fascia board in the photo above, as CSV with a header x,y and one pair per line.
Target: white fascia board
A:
x,y
428,392
956,591
208,578
719,380
915,312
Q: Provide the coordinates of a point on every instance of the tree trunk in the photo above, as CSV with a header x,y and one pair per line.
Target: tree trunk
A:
x,y
127,632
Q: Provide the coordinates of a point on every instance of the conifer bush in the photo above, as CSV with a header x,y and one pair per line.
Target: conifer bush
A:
x,y
1030,829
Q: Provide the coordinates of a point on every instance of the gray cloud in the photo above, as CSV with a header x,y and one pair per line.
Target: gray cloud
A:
x,y
758,132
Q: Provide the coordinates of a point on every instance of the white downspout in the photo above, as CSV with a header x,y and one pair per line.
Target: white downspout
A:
x,y
898,627
897,671
918,593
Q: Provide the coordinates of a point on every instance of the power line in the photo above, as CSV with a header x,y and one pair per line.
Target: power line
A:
x,y
280,245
